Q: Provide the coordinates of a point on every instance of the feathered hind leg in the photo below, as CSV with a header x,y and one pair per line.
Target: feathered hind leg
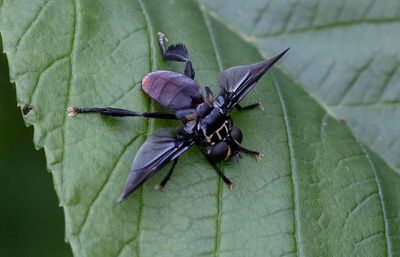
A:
x,y
177,53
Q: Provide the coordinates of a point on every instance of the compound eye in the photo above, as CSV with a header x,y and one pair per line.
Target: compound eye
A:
x,y
236,134
220,152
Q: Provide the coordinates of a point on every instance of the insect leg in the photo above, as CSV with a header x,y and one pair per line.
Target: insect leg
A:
x,y
226,180
177,53
249,151
167,177
250,106
116,112
209,95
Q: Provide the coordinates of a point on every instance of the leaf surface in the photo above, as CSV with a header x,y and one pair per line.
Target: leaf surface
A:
x,y
317,191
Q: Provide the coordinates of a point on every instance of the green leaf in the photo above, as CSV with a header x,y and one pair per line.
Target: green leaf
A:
x,y
344,53
317,191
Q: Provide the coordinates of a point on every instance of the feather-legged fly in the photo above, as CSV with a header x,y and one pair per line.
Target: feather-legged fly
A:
x,y
205,118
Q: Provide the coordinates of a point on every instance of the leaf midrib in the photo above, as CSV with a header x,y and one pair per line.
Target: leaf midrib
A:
x,y
292,167
288,133
220,183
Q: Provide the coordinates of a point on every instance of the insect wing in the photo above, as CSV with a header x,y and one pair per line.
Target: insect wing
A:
x,y
236,82
162,147
172,90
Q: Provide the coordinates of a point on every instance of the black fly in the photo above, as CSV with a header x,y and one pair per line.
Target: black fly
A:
x,y
206,122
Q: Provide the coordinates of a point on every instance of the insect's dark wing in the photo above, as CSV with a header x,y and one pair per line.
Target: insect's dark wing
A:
x,y
160,148
172,90
236,82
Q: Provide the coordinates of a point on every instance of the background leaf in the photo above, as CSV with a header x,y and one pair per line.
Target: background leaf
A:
x,y
344,53
317,192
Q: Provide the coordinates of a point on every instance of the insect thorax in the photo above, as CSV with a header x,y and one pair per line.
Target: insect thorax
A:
x,y
219,135
214,127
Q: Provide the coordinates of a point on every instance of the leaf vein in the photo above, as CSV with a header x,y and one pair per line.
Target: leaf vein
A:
x,y
97,195
125,93
327,73
346,159
315,12
1,6
260,13
48,67
369,238
270,214
292,167
288,17
353,81
340,10
337,25
324,123
357,207
125,38
368,104
388,79
268,183
368,8
381,197
30,25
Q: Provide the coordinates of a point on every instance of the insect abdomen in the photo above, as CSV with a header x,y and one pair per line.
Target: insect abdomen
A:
x,y
172,90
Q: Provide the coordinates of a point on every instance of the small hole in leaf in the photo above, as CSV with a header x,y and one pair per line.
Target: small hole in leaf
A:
x,y
27,108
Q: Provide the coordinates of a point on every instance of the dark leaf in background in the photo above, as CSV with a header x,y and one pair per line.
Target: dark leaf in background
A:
x,y
31,223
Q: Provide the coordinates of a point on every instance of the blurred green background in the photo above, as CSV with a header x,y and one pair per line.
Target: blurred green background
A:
x,y
31,223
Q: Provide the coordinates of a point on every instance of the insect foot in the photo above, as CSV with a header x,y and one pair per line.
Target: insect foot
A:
x,y
159,187
162,36
231,186
259,156
260,106
71,111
